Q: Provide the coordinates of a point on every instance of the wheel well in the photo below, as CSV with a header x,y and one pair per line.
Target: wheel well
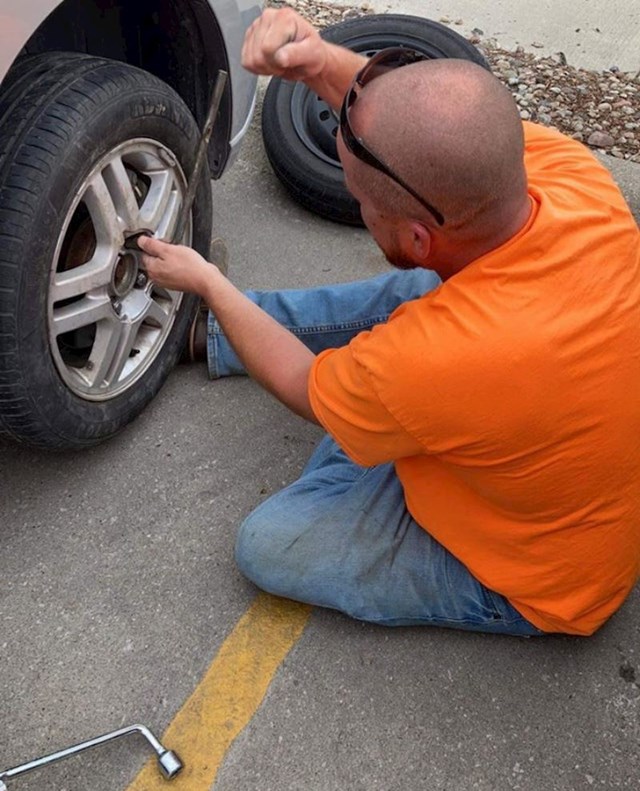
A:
x,y
164,37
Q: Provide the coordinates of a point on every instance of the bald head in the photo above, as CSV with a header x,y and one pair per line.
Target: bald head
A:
x,y
453,133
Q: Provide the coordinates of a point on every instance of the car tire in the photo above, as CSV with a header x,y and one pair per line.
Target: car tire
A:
x,y
299,128
91,151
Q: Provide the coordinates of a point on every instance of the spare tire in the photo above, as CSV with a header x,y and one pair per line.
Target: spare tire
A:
x,y
91,151
299,128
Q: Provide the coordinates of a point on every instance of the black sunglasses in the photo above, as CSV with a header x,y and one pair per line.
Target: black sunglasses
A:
x,y
382,62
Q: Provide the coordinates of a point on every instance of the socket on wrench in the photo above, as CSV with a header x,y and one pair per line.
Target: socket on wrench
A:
x,y
168,762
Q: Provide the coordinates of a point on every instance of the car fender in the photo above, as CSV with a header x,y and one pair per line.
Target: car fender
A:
x,y
19,19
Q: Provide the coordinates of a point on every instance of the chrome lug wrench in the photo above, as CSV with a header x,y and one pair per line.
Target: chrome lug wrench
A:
x,y
168,762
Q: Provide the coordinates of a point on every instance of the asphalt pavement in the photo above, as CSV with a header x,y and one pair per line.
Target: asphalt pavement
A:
x,y
118,587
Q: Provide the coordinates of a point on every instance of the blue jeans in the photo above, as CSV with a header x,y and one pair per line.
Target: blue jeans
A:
x,y
341,536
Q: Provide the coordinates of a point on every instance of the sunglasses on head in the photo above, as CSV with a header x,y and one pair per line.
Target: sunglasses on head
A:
x,y
382,62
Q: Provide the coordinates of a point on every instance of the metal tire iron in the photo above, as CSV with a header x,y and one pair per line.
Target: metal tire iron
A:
x,y
168,762
131,242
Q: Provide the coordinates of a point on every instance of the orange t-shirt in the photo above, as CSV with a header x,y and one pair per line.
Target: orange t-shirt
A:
x,y
509,399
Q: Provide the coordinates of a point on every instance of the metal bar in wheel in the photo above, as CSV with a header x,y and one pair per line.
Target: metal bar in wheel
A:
x,y
185,211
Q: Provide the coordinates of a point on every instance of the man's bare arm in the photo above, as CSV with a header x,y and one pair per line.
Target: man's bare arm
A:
x,y
272,355
283,44
334,80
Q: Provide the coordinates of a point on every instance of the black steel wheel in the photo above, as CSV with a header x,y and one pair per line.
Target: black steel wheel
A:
x,y
299,129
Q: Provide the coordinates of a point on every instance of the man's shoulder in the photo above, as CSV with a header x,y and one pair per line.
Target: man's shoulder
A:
x,y
549,152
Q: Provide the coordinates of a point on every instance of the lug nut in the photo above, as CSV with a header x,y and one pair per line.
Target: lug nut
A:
x,y
141,280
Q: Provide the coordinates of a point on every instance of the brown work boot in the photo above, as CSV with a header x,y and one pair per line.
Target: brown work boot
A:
x,y
195,350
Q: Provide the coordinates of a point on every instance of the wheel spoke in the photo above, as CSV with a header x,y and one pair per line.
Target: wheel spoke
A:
x,y
104,349
82,279
152,211
124,200
156,315
128,334
82,313
167,224
99,202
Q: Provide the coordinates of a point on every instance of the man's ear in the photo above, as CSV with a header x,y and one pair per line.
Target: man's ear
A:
x,y
420,241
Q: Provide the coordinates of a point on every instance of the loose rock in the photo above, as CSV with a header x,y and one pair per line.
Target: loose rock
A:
x,y
590,106
600,140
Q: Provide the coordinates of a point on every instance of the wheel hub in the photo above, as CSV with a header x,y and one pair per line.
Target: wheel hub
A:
x,y
124,276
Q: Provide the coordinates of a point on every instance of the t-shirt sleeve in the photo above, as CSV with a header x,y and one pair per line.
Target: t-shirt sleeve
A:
x,y
347,404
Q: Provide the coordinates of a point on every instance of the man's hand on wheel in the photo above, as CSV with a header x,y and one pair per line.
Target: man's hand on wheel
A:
x,y
175,266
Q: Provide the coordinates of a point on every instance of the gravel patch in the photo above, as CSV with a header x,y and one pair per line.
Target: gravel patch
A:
x,y
599,108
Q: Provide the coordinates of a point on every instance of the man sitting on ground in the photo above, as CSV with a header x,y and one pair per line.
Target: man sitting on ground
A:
x,y
482,464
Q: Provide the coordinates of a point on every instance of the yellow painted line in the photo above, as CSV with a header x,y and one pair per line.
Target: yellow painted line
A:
x,y
229,694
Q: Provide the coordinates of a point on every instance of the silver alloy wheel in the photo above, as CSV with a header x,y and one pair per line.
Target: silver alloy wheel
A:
x,y
107,322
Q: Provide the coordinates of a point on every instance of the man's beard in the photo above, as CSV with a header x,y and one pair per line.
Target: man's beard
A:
x,y
399,262
395,257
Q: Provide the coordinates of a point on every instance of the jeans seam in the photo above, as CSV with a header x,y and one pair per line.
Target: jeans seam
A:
x,y
212,358
351,325
444,621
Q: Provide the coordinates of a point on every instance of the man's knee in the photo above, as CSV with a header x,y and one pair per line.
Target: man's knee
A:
x,y
249,550
262,549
